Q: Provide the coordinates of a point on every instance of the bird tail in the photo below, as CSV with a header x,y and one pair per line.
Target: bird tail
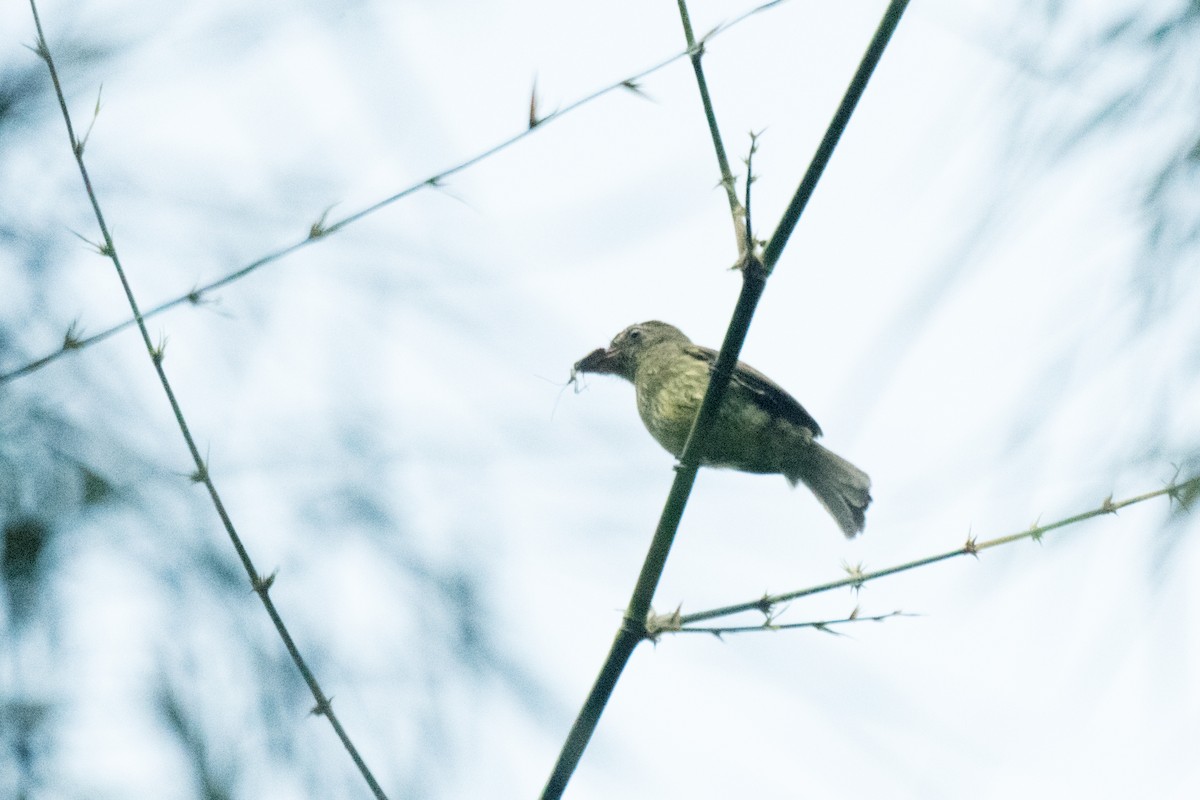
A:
x,y
844,489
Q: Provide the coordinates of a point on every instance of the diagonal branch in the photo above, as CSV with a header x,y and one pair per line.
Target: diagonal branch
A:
x,y
824,625
696,55
833,134
857,576
260,584
321,229
659,624
754,278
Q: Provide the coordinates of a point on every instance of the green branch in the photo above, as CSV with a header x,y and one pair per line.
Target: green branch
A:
x,y
754,278
1183,493
833,134
657,625
322,228
696,55
261,585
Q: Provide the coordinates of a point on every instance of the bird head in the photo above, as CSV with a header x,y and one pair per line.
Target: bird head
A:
x,y
621,356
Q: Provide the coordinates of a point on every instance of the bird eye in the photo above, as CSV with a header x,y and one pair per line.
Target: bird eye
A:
x,y
635,333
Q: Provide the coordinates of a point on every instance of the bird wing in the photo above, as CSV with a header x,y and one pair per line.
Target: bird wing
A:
x,y
765,393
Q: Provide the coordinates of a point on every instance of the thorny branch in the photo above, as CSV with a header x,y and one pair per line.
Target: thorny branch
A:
x,y
754,277
321,229
261,585
1182,492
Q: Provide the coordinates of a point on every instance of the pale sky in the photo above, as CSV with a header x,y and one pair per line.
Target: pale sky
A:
x,y
956,309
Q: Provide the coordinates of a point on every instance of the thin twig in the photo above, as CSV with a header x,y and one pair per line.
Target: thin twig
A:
x,y
826,625
321,229
754,277
260,584
750,247
696,55
972,547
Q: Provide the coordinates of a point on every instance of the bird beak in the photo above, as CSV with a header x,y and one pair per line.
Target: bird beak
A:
x,y
600,360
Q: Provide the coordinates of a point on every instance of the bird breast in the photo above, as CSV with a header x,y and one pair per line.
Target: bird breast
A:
x,y
669,395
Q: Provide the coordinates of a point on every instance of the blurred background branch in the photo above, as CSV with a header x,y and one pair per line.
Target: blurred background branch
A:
x,y
198,294
261,584
1015,332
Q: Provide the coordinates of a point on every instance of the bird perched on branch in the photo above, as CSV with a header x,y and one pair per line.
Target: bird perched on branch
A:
x,y
760,427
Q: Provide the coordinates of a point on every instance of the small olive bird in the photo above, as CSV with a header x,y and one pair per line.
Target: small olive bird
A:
x,y
760,428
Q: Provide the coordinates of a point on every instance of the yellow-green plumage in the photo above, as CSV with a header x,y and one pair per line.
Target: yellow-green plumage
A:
x,y
669,392
760,427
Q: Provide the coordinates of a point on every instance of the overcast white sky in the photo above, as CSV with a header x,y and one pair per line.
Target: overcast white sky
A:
x,y
954,309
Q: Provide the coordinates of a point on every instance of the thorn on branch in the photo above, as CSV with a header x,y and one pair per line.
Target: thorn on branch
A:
x,y
199,474
97,248
658,624
159,352
320,228
856,573
73,339
635,87
971,548
323,707
1184,493
748,248
262,584
534,120
40,50
1108,507
754,137
82,143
